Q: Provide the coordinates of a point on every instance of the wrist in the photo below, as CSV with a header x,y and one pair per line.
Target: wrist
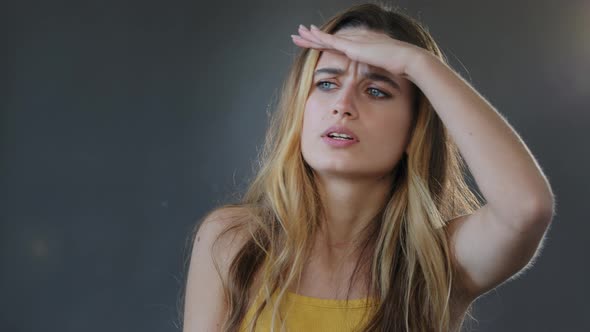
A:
x,y
419,61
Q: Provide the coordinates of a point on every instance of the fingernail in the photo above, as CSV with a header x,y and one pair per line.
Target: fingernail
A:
x,y
314,27
301,27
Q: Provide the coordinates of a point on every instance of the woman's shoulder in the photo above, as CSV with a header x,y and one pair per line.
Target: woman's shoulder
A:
x,y
224,217
227,230
225,227
214,245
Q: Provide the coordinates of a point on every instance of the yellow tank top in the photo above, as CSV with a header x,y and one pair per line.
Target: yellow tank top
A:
x,y
311,314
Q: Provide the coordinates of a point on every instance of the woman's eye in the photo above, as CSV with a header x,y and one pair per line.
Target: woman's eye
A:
x,y
374,92
377,93
323,85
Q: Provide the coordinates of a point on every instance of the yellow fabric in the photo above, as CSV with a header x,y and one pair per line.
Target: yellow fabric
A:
x,y
310,314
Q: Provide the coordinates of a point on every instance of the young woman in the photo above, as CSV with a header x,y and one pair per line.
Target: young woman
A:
x,y
359,218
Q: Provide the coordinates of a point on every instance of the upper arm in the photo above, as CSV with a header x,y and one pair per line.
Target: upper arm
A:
x,y
486,252
205,306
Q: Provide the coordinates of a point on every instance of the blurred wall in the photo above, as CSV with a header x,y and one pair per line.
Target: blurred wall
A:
x,y
122,123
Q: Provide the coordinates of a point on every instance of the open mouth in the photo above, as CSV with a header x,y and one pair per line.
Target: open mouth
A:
x,y
340,137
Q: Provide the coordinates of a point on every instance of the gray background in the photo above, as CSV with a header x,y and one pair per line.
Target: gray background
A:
x,y
124,122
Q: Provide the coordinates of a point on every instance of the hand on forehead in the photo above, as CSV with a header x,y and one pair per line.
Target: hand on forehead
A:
x,y
333,58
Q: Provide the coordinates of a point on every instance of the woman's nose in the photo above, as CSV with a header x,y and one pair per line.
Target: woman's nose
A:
x,y
345,103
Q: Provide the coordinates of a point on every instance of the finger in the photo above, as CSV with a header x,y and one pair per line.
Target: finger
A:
x,y
304,32
340,45
330,40
306,43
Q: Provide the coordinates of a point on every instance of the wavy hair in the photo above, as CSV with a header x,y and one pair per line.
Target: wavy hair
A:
x,y
411,272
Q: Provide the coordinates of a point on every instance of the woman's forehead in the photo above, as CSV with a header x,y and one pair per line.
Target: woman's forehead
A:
x,y
331,59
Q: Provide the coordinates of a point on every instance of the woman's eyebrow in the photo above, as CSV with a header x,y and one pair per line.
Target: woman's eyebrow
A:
x,y
371,75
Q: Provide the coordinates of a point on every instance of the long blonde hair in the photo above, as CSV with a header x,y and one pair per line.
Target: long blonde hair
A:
x,y
411,272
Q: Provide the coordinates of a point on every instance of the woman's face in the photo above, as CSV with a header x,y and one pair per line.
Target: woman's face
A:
x,y
379,114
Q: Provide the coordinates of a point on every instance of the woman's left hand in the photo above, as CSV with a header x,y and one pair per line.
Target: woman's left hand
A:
x,y
362,45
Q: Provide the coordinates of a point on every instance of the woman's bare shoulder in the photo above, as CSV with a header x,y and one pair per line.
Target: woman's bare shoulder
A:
x,y
225,216
225,228
217,240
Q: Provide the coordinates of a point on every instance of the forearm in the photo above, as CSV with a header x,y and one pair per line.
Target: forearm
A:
x,y
503,167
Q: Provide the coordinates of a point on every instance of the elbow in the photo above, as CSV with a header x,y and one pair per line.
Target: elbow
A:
x,y
534,213
541,210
